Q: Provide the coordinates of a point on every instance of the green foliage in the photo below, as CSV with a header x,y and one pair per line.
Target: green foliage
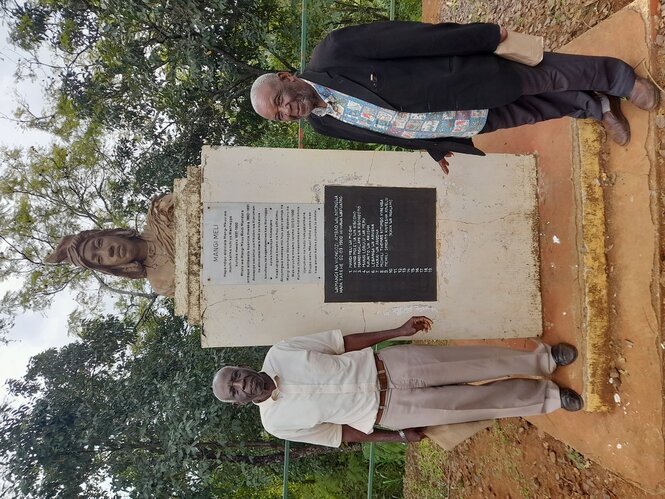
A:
x,y
388,453
135,409
286,135
389,468
346,12
159,68
347,475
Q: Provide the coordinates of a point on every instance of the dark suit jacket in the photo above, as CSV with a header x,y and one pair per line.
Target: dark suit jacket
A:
x,y
413,67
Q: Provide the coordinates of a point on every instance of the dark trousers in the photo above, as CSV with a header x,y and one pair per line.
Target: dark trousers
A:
x,y
563,85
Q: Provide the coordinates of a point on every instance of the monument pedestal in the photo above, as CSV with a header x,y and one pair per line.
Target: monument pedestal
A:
x,y
290,242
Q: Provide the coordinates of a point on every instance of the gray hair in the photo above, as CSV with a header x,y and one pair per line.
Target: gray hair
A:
x,y
215,380
258,84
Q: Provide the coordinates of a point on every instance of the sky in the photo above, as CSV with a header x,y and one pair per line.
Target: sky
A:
x,y
33,332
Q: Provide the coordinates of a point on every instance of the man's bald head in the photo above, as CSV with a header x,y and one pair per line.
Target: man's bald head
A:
x,y
269,80
283,97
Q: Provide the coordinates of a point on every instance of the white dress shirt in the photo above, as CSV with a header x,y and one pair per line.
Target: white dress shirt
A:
x,y
319,388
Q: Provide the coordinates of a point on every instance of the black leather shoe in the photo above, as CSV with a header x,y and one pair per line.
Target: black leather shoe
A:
x,y
564,354
615,123
570,400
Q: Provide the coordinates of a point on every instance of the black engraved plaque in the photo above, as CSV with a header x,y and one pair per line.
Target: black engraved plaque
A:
x,y
380,244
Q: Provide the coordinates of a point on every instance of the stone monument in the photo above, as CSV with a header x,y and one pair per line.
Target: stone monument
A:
x,y
273,243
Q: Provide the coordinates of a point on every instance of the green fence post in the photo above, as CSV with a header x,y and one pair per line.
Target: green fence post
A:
x,y
303,52
370,477
285,487
372,464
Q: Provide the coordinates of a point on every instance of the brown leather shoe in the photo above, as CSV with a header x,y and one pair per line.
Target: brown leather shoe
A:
x,y
645,94
615,122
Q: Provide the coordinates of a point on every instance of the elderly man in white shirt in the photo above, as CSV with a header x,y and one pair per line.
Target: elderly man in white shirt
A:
x,y
327,388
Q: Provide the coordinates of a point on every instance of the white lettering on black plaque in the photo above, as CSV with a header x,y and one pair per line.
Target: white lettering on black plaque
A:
x,y
380,244
262,243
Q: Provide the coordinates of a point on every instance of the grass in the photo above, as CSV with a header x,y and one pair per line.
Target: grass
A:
x,y
577,459
505,454
427,473
424,472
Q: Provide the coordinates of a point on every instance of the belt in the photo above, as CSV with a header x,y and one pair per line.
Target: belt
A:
x,y
383,386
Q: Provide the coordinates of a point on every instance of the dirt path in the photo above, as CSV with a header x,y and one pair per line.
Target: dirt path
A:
x,y
559,21
513,459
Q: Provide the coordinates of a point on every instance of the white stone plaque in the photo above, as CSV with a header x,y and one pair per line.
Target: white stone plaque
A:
x,y
262,243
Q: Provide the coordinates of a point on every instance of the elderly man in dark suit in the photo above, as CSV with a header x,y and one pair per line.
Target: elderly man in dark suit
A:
x,y
435,86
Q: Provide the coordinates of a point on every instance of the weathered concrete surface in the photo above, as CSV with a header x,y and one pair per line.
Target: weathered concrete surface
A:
x,y
188,245
629,438
598,393
493,216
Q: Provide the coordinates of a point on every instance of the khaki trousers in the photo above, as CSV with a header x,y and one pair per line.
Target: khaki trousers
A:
x,y
427,385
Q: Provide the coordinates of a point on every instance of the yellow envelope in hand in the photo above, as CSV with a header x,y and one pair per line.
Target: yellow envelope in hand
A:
x,y
518,47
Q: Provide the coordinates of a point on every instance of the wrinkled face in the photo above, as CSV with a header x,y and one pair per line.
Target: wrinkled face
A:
x,y
110,250
241,385
287,99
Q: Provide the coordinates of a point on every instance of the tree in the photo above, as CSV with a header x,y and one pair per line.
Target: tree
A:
x,y
164,68
158,67
134,90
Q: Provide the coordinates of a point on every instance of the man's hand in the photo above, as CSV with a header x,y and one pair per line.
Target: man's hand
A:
x,y
358,341
443,163
415,324
503,34
350,434
414,434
